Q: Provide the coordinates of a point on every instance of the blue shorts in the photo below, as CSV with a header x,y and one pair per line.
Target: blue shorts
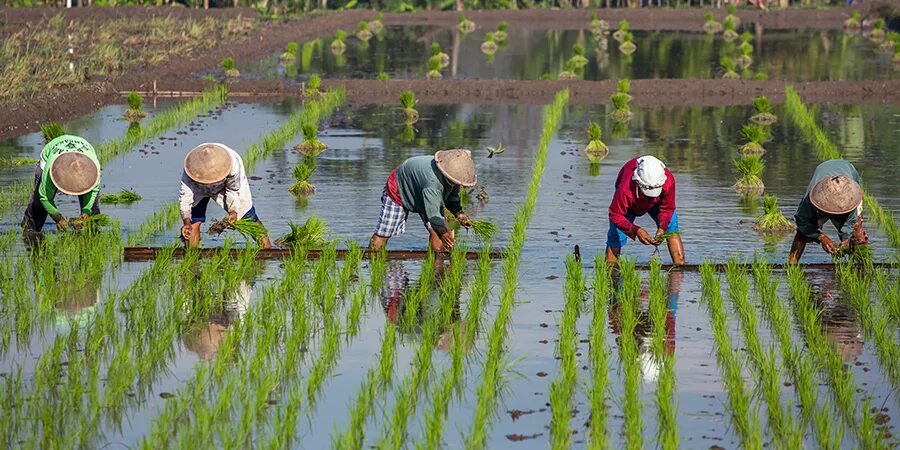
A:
x,y
198,212
616,238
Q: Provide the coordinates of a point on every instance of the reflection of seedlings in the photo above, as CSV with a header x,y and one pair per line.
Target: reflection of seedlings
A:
x,y
408,102
229,67
562,389
627,46
624,86
407,134
578,58
728,66
624,27
761,76
311,145
666,407
599,356
756,135
465,25
434,69
134,112
730,33
362,31
337,44
290,53
52,130
772,219
500,35
732,16
619,129
437,52
764,115
595,150
571,72
749,168
301,173
877,33
376,26
489,47
852,23
746,49
710,25
125,197
623,112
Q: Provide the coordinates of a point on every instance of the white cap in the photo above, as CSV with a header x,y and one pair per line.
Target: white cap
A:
x,y
650,175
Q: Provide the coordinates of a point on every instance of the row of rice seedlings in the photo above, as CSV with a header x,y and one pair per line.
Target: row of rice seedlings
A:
x,y
787,432
598,438
743,415
628,300
16,161
890,295
488,388
666,404
562,389
841,382
803,119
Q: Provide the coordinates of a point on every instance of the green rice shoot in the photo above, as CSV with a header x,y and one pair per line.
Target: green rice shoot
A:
x,y
310,235
52,131
125,197
250,229
17,161
483,229
301,173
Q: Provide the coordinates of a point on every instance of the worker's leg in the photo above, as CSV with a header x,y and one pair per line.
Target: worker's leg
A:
x,y
797,248
391,222
35,214
198,216
615,240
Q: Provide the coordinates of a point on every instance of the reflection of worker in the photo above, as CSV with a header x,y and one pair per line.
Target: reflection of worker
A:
x,y
205,339
425,185
393,301
644,186
393,290
833,195
839,321
214,171
69,165
77,305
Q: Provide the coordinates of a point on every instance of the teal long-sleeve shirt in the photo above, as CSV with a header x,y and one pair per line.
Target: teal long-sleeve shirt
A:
x,y
426,191
808,217
46,189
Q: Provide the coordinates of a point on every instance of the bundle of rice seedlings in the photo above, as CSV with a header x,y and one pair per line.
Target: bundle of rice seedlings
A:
x,y
749,168
624,86
627,46
732,16
436,52
383,76
434,68
710,25
17,161
302,172
52,131
408,103
500,35
877,33
465,25
623,111
489,47
92,224
772,219
571,72
578,59
761,76
893,39
746,58
337,44
250,229
134,112
756,135
598,26
362,31
728,66
311,145
853,22
310,235
290,53
376,26
730,33
125,197
764,115
483,229
313,90
624,27
595,149
229,68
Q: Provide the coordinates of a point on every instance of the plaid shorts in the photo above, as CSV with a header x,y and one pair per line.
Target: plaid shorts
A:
x,y
392,221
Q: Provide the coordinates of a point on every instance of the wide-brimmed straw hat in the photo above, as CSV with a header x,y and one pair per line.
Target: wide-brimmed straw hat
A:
x,y
74,173
837,194
208,163
457,166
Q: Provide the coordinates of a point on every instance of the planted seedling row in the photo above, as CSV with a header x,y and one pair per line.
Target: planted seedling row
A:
x,y
562,389
666,404
598,437
628,306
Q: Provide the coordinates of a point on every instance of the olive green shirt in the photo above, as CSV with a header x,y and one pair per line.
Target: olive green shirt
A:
x,y
425,190
810,219
46,189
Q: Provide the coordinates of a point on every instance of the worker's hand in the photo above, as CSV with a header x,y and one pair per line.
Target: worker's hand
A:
x,y
828,244
859,236
463,219
186,231
84,217
62,224
658,239
845,244
643,236
232,216
449,240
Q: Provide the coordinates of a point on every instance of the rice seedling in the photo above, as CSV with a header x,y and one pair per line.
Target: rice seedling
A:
x,y
124,197
134,113
624,27
763,108
570,73
310,235
598,25
376,26
877,33
666,406
362,31
624,86
628,305
17,161
749,168
302,171
249,229
578,58
756,135
408,102
383,76
744,416
489,47
732,16
627,45
730,33
311,145
501,34
710,25
562,389
772,220
727,65
52,130
290,53
465,25
623,112
595,149
853,22
599,357
434,68
483,229
745,60
338,47
229,67
436,52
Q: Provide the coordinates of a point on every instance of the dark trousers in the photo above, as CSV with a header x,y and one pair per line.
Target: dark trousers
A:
x,y
36,215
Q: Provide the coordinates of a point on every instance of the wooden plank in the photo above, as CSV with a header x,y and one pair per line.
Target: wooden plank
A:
x,y
133,254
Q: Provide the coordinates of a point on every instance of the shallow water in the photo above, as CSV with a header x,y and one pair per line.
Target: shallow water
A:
x,y
403,52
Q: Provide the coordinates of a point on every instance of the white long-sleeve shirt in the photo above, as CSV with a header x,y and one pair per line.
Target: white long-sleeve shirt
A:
x,y
232,193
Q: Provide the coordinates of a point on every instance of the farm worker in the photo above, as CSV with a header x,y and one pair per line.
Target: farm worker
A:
x,y
425,185
644,186
69,165
214,171
833,194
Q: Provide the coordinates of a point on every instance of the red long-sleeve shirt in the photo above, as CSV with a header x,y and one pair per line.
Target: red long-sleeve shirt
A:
x,y
629,198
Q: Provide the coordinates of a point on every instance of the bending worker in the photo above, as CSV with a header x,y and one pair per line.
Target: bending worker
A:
x,y
69,165
425,185
214,171
644,186
833,194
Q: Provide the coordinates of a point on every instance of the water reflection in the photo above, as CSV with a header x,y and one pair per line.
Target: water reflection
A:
x,y
839,320
205,338
77,304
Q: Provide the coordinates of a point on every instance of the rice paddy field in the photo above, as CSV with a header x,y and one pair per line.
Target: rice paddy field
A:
x,y
526,347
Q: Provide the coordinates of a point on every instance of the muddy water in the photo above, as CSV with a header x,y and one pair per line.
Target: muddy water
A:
x,y
403,52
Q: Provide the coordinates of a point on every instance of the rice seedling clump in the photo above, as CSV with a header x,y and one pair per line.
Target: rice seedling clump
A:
x,y
501,33
749,167
17,161
310,235
627,45
710,25
362,31
408,103
437,52
134,112
301,173
311,145
376,26
483,229
595,149
52,130
728,69
763,108
465,25
338,47
624,27
125,197
772,219
489,47
230,68
623,112
756,135
250,229
578,58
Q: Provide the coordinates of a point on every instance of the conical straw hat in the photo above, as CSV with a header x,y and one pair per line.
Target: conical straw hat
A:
x,y
208,163
837,194
74,173
457,166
